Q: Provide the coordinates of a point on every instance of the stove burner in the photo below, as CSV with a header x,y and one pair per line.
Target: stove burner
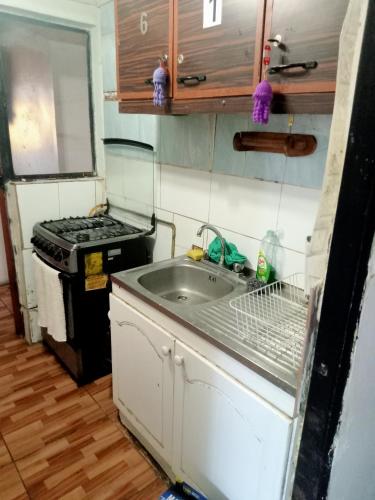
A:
x,y
84,229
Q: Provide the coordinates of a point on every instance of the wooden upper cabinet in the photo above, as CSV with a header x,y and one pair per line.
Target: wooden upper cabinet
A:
x,y
217,47
215,50
144,33
308,31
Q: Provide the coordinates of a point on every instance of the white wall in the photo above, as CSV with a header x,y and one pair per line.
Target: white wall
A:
x,y
3,265
352,475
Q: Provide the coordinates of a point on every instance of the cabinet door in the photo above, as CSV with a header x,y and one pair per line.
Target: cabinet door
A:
x,y
217,45
142,374
144,34
228,442
309,31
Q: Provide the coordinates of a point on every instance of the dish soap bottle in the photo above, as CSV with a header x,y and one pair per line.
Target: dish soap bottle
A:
x,y
266,272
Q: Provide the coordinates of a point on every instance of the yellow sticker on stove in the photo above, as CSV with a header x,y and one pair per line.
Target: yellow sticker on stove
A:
x,y
96,282
93,263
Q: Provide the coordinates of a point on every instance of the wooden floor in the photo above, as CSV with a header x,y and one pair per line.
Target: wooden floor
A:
x,y
58,440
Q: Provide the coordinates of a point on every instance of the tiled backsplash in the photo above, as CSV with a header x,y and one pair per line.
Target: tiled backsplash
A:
x,y
205,142
243,209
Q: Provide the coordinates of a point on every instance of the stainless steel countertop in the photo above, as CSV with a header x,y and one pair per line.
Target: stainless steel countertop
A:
x,y
214,320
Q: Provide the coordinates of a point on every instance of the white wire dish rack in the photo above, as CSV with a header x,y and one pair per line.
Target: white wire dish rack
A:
x,y
272,320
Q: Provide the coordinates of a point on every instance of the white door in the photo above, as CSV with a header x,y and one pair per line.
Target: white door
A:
x,y
142,369
228,442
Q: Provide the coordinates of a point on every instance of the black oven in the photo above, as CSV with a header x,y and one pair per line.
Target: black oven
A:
x,y
86,354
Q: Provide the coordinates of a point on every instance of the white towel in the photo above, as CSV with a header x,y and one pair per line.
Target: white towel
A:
x,y
49,292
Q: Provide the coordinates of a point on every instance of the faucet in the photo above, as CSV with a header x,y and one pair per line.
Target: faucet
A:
x,y
218,234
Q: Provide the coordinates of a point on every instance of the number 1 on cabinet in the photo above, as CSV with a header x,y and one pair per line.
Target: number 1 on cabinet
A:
x,y
212,13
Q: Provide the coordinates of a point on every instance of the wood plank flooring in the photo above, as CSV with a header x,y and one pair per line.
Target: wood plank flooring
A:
x,y
59,441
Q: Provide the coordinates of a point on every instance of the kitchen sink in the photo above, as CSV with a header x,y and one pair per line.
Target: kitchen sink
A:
x,y
185,283
197,295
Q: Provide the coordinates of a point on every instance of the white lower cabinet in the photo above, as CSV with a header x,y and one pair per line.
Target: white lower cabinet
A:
x,y
227,441
208,428
142,369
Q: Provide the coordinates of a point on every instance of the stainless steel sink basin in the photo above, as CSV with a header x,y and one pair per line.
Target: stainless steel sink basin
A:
x,y
185,283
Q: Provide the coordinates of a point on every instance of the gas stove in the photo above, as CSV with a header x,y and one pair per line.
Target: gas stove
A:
x,y
85,251
59,241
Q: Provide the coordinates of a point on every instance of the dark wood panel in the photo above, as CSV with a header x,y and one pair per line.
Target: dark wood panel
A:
x,y
12,276
144,34
318,103
142,106
309,31
227,54
308,103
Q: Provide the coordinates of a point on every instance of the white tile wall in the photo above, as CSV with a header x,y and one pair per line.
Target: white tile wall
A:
x,y
100,192
157,184
36,202
296,216
242,209
163,236
130,182
247,206
51,200
76,198
163,243
142,128
185,192
186,232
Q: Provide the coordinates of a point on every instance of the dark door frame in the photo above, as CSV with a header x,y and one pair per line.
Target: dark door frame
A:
x,y
17,316
352,239
5,165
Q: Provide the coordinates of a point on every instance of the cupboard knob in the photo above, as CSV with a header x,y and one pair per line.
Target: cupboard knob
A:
x,y
276,40
165,350
180,58
164,58
178,360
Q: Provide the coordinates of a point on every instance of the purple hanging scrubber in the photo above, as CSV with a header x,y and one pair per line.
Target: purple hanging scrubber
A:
x,y
160,78
262,102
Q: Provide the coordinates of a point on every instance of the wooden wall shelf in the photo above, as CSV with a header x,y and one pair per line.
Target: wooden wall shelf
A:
x,y
275,142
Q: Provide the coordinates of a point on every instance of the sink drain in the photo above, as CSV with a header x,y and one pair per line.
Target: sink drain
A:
x,y
182,298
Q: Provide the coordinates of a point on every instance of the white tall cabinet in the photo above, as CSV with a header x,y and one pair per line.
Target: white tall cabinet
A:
x,y
202,424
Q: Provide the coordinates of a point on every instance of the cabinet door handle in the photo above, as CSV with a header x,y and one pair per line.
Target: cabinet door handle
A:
x,y
165,350
178,360
191,79
304,65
